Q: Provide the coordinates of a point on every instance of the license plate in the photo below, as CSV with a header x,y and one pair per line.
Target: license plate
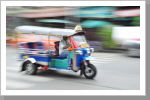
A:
x,y
84,45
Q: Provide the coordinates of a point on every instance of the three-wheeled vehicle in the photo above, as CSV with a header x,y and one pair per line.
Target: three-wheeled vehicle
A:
x,y
35,57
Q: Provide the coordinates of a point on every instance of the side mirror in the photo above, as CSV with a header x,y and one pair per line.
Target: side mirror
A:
x,y
70,49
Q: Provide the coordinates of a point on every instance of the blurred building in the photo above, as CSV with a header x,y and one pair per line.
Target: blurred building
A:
x,y
90,17
30,14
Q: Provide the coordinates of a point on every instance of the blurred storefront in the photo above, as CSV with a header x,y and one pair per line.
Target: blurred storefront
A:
x,y
96,17
116,15
90,17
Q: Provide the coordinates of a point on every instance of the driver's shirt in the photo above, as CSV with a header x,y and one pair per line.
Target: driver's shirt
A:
x,y
63,43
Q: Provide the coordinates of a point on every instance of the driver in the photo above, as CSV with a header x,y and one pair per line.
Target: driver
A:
x,y
63,51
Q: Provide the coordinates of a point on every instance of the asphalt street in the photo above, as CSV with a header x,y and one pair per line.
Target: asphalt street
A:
x,y
115,72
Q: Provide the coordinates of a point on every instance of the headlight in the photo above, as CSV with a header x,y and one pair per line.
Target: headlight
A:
x,y
88,50
92,49
79,52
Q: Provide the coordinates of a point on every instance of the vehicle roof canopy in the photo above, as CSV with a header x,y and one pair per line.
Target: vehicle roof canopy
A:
x,y
27,29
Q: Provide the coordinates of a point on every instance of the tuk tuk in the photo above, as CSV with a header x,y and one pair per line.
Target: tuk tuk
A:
x,y
35,57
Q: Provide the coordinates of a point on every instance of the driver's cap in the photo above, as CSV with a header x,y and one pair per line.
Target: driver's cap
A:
x,y
78,28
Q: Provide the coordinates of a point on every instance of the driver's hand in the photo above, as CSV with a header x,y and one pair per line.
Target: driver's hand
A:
x,y
66,47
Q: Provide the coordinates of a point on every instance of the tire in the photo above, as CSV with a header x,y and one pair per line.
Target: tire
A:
x,y
90,71
30,68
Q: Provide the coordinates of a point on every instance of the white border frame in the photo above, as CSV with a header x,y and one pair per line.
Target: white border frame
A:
x,y
72,92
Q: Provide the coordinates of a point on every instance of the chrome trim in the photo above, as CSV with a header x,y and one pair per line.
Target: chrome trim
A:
x,y
92,49
88,51
78,52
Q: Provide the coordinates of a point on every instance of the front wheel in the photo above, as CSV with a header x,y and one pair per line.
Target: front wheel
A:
x,y
30,68
90,71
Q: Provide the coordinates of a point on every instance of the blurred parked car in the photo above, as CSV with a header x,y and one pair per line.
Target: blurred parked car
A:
x,y
129,38
132,47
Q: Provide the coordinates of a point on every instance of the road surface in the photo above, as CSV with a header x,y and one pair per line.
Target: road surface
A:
x,y
115,72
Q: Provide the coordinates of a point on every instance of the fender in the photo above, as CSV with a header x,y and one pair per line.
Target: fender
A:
x,y
87,58
32,60
81,58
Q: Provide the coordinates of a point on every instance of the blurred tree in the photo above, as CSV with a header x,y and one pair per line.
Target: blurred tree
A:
x,y
105,33
136,21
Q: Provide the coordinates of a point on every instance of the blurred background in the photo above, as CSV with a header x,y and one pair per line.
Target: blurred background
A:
x,y
97,21
108,29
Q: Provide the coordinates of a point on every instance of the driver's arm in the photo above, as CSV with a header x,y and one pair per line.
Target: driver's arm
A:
x,y
65,47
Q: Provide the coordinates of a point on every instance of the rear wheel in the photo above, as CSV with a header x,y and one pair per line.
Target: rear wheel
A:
x,y
30,68
90,71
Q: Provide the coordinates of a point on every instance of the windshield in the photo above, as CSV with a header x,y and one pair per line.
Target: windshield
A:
x,y
79,39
